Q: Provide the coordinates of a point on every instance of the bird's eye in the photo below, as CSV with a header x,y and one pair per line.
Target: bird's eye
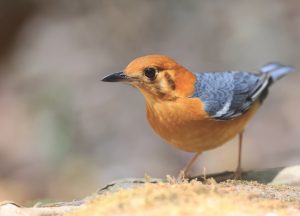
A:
x,y
150,72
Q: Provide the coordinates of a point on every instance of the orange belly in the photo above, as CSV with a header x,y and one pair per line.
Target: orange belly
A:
x,y
185,124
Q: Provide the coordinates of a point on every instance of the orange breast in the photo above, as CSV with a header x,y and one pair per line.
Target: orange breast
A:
x,y
185,124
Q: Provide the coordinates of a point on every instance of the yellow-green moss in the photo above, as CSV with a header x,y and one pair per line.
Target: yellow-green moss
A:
x,y
195,198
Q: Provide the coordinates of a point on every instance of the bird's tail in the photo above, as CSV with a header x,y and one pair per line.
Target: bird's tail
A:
x,y
276,70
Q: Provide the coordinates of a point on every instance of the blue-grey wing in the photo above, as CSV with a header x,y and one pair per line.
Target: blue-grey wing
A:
x,y
227,95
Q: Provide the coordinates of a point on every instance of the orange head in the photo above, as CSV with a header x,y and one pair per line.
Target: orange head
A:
x,y
158,77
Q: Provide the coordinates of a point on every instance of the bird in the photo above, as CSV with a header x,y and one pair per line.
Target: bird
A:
x,y
198,111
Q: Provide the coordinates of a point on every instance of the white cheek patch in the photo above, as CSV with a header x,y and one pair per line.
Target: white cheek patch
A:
x,y
163,84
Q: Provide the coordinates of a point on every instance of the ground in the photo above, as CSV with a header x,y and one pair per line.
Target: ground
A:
x,y
196,198
277,193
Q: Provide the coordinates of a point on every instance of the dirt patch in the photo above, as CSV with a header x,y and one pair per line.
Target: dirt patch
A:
x,y
196,198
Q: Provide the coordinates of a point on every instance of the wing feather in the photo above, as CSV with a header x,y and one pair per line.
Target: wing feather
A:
x,y
229,94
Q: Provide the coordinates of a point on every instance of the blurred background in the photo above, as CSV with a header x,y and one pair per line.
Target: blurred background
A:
x,y
64,133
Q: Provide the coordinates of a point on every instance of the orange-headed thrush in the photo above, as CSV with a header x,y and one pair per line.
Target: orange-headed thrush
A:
x,y
198,111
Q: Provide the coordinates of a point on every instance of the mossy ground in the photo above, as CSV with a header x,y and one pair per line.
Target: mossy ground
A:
x,y
196,198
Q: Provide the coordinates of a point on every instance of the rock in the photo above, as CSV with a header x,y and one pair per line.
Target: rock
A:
x,y
288,176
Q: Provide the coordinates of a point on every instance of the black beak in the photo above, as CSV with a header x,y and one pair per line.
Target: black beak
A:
x,y
116,77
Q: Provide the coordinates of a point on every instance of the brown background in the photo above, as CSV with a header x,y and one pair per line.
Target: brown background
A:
x,y
63,133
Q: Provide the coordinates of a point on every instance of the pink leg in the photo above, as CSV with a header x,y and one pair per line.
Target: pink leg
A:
x,y
188,166
238,172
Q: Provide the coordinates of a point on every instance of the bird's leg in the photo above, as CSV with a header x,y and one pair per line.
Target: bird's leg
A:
x,y
238,171
189,165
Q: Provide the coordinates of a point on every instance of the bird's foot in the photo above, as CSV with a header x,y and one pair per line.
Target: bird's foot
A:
x,y
238,174
183,175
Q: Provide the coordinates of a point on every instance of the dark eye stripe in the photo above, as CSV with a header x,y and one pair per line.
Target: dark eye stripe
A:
x,y
170,81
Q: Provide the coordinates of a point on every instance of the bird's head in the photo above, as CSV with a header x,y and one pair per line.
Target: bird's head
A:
x,y
158,77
